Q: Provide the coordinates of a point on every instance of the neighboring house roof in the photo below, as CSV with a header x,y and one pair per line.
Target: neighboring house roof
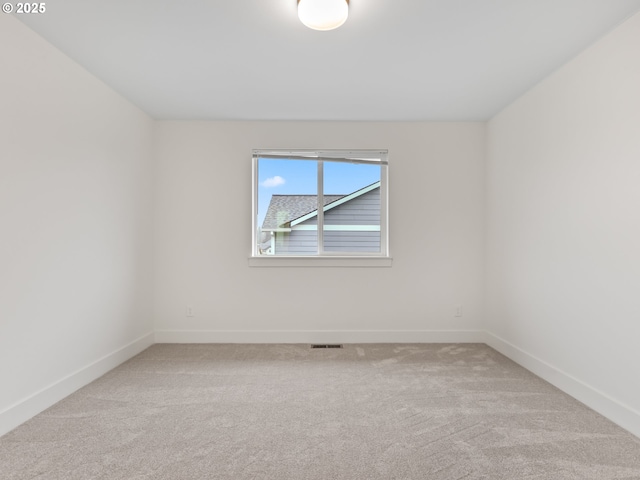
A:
x,y
284,210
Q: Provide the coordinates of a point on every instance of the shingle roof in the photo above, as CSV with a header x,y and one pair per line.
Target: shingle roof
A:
x,y
284,208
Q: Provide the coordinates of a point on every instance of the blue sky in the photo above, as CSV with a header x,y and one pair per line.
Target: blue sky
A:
x,y
291,177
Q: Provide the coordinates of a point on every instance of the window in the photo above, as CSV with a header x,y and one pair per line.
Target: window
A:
x,y
325,203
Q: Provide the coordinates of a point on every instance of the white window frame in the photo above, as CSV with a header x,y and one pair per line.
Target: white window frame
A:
x,y
322,258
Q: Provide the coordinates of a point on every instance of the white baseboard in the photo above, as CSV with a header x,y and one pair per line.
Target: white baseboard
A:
x,y
621,414
319,336
22,411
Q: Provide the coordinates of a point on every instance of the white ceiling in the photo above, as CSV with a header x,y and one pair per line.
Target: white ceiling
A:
x,y
392,60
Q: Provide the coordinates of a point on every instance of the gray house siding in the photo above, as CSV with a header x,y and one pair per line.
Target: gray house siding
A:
x,y
299,242
361,211
351,241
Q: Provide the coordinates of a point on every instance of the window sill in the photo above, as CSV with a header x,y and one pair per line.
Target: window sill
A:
x,y
349,262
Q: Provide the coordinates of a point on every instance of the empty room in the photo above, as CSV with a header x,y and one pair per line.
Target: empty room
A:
x,y
313,239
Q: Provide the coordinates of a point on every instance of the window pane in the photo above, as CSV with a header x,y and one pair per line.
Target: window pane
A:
x,y
352,215
287,192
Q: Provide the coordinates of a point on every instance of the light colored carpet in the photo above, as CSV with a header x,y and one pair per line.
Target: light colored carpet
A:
x,y
419,411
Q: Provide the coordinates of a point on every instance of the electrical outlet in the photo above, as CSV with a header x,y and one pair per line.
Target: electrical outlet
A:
x,y
190,311
458,311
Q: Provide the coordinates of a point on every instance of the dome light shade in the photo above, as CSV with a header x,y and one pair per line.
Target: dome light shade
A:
x,y
323,14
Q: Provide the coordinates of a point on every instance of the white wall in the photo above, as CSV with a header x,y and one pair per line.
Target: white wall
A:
x,y
203,238
563,230
75,219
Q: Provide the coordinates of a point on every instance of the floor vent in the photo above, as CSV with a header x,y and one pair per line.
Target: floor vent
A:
x,y
331,345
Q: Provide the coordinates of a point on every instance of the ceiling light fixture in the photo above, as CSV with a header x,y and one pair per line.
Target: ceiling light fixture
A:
x,y
323,14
